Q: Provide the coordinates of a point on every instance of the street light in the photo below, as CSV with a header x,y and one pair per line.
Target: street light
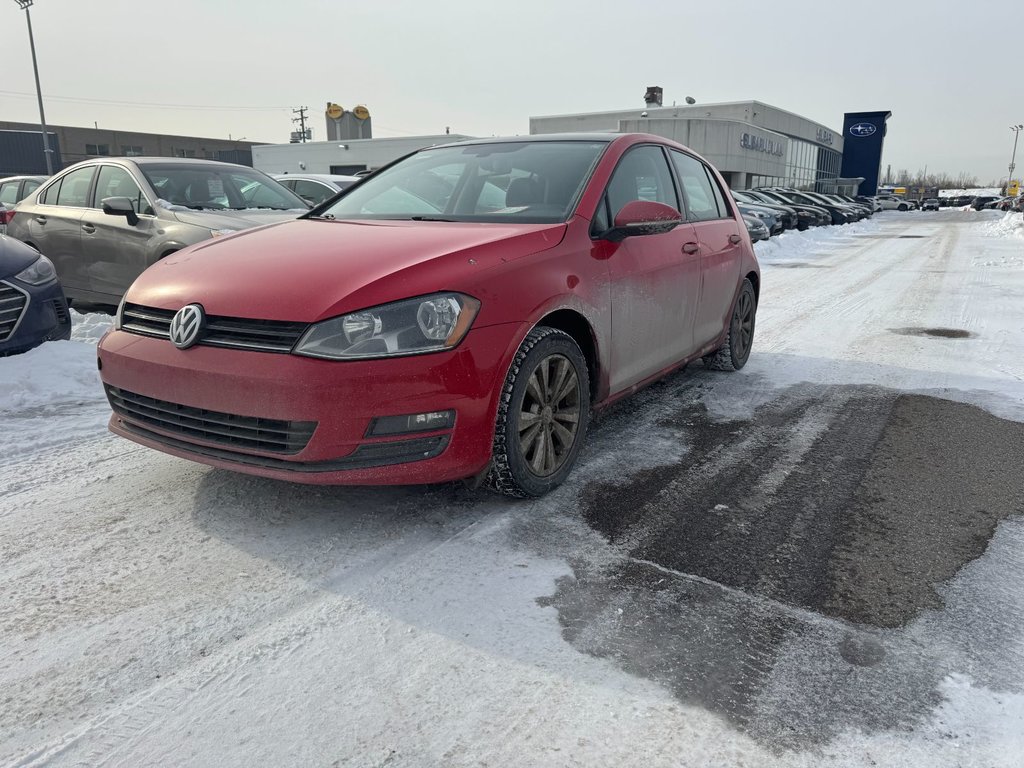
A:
x,y
25,5
1013,156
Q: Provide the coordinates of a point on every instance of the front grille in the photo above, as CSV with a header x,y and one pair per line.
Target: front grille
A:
x,y
270,435
12,305
231,332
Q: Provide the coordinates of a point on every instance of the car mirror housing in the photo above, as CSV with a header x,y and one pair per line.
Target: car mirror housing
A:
x,y
643,217
120,206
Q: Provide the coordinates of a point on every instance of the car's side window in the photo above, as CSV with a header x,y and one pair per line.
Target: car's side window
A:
x,y
311,191
49,195
702,205
723,207
114,181
642,174
602,222
9,193
31,185
74,189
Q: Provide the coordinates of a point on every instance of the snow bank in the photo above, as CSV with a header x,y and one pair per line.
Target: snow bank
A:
x,y
1009,225
56,373
790,247
89,328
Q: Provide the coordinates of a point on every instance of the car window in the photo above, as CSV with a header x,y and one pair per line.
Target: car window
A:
x,y
31,185
529,182
218,186
74,189
723,207
702,203
642,174
313,191
9,192
114,181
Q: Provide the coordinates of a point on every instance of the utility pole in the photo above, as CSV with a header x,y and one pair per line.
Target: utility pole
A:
x,y
1013,156
47,152
301,120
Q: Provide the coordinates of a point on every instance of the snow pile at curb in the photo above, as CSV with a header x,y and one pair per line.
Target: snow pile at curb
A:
x,y
89,328
791,246
56,373
1010,225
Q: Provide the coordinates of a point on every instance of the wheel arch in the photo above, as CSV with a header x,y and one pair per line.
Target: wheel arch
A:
x,y
755,280
579,328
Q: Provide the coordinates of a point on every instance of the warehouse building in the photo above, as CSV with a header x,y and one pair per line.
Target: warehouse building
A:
x,y
751,143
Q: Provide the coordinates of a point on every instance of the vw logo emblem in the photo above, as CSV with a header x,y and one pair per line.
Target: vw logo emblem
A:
x,y
186,325
862,129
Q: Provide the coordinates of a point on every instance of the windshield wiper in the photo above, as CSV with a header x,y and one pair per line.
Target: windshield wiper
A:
x,y
429,218
325,216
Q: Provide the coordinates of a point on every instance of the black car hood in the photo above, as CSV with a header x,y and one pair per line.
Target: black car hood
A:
x,y
15,256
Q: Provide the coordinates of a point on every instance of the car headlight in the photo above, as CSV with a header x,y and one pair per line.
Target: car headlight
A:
x,y
410,327
38,272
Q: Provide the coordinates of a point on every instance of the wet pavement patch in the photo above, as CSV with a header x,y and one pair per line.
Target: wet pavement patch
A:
x,y
767,575
940,333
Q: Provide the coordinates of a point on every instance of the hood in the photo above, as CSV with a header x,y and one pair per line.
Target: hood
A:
x,y
311,269
250,217
15,256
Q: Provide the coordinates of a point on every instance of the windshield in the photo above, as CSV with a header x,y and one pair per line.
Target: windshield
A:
x,y
215,187
517,181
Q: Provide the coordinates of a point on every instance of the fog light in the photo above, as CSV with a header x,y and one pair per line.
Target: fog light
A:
x,y
417,422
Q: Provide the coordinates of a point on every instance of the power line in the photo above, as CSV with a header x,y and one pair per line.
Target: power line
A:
x,y
142,104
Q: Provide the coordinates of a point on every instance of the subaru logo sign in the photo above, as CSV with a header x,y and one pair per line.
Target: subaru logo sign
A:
x,y
862,129
186,325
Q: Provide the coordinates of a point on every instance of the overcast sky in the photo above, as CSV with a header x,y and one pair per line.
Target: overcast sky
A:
x,y
948,69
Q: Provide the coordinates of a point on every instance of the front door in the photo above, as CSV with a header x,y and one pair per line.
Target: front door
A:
x,y
114,251
655,279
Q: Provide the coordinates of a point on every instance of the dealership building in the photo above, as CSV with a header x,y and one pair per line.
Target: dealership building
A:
x,y
751,143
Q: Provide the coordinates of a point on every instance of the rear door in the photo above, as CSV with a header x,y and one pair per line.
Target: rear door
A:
x,y
55,225
720,239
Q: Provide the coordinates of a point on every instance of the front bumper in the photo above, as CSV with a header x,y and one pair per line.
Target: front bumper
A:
x,y
44,316
338,399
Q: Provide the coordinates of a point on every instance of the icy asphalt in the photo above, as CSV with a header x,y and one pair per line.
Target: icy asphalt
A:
x,y
818,561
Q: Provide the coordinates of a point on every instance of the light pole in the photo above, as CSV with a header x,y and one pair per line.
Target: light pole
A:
x,y
25,5
1013,156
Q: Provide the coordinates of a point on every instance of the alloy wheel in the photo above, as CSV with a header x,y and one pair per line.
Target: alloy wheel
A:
x,y
549,418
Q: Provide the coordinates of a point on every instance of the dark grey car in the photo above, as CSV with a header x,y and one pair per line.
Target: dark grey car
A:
x,y
103,221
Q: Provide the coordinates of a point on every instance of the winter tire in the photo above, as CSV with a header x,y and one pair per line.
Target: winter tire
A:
x,y
733,353
542,415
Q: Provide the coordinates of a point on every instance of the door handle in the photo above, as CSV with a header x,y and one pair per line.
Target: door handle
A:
x,y
735,239
40,219
690,248
88,228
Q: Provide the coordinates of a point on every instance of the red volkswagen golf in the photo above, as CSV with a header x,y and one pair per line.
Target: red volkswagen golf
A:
x,y
456,315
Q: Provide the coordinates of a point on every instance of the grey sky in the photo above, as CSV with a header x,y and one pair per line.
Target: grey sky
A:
x,y
944,68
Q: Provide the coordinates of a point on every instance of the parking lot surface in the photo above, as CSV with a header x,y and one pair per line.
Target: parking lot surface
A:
x,y
818,560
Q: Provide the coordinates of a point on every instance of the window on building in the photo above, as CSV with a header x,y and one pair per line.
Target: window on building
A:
x,y
97,149
131,150
184,153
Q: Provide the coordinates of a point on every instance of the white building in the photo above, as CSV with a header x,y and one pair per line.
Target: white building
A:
x,y
341,157
749,142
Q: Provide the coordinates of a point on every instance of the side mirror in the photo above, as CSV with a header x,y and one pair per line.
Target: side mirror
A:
x,y
642,217
120,206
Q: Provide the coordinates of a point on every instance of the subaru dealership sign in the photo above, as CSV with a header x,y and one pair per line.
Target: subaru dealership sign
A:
x,y
861,130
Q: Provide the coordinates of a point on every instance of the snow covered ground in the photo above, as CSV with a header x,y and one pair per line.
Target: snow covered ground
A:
x,y
159,612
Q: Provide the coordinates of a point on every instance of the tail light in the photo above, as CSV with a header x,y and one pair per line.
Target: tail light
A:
x,y
6,216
